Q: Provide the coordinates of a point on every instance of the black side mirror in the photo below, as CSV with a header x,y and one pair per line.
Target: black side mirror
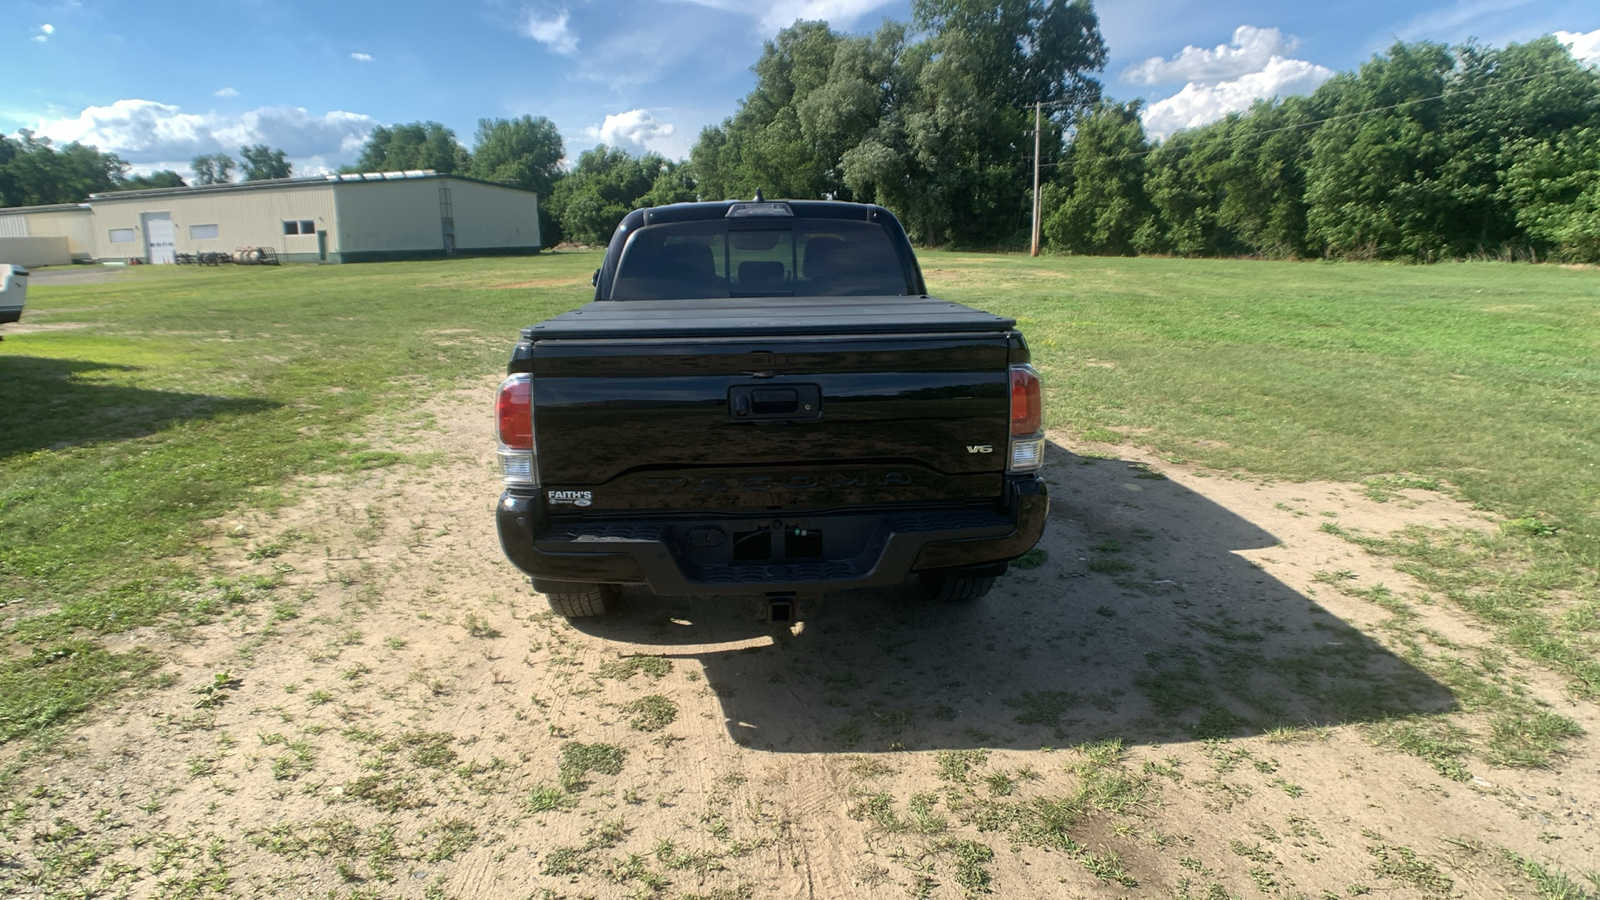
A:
x,y
594,280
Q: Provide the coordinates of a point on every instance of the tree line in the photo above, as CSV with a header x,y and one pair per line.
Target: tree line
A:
x,y
936,128
1425,152
34,172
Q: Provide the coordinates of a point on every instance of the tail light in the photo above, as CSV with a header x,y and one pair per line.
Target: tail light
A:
x,y
1027,410
513,429
1027,419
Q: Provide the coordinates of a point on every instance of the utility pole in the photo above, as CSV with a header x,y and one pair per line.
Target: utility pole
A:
x,y
1036,119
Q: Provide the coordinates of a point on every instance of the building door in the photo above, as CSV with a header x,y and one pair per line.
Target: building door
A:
x,y
160,240
322,246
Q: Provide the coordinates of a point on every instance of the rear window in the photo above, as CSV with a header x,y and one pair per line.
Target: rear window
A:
x,y
813,258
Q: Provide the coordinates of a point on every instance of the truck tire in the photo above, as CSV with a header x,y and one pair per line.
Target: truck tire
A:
x,y
592,600
953,588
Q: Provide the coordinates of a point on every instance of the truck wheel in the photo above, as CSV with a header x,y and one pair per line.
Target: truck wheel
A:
x,y
955,588
590,600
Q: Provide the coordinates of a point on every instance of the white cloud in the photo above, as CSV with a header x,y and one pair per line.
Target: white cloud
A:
x,y
1224,79
361,57
1252,49
633,131
45,31
153,135
1199,103
777,14
1585,45
225,92
552,31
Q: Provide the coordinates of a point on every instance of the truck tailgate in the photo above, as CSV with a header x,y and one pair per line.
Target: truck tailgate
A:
x,y
685,409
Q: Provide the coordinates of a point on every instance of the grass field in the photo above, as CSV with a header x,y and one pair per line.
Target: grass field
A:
x,y
191,394
1480,379
143,411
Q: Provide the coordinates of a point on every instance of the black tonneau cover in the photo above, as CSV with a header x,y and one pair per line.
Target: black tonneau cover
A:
x,y
744,316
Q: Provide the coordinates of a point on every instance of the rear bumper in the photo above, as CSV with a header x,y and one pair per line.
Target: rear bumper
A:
x,y
863,550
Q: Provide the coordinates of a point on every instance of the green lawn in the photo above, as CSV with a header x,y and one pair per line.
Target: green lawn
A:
x,y
193,392
1483,379
1484,375
196,391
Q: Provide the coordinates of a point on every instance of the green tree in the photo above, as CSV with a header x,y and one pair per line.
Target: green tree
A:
x,y
1028,50
1554,185
606,184
765,145
1500,99
714,169
887,166
1180,180
35,172
165,178
1262,180
525,153
1372,183
1105,209
935,130
1413,157
1236,186
417,145
213,168
262,162
8,182
984,66
674,183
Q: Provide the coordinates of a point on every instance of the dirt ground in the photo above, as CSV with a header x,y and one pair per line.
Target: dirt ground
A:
x,y
1178,702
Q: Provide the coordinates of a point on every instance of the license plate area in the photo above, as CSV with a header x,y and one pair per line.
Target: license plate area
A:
x,y
766,544
747,544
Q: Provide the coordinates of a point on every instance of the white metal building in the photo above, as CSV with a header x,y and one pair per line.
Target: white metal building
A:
x,y
337,218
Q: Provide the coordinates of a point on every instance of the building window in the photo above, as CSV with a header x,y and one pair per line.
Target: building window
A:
x,y
300,226
203,232
123,235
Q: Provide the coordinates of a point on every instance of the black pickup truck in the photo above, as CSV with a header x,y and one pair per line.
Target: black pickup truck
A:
x,y
763,400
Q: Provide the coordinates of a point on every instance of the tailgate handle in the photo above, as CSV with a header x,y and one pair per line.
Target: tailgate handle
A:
x,y
801,401
775,401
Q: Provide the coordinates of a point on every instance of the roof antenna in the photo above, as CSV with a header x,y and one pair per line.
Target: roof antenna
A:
x,y
759,198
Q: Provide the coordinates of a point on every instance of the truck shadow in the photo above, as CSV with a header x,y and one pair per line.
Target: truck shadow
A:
x,y
48,403
1132,627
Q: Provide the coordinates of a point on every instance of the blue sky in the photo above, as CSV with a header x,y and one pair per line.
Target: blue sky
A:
x,y
161,82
